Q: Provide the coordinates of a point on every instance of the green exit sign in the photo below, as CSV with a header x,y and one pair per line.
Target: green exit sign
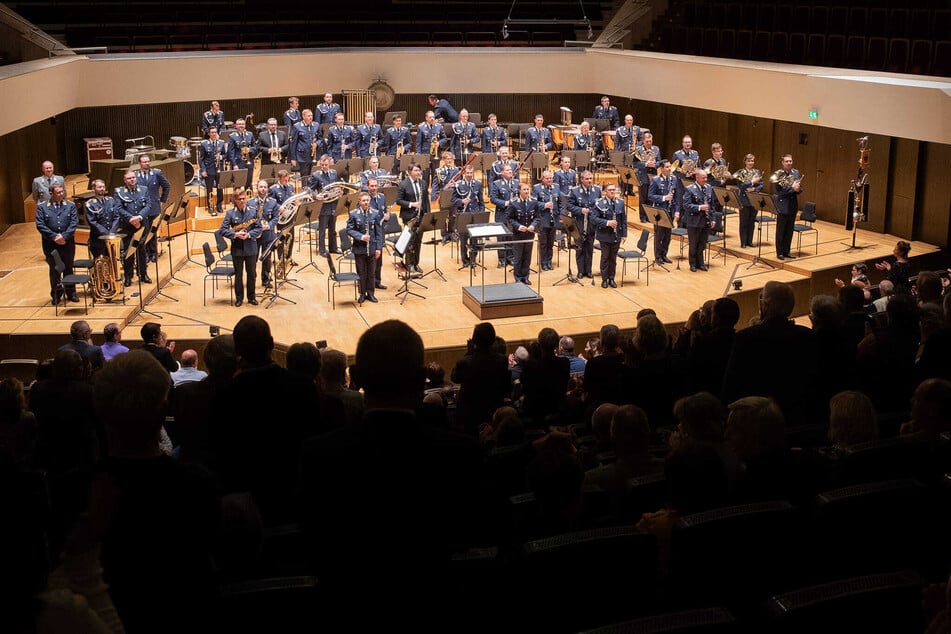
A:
x,y
813,114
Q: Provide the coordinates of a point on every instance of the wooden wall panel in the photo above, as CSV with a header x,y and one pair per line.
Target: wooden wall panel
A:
x,y
933,209
902,172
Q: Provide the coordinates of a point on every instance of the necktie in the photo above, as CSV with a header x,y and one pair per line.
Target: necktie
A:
x,y
416,189
49,182
273,140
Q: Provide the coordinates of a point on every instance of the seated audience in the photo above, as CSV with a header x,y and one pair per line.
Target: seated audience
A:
x,y
630,436
81,341
113,341
17,425
333,373
188,370
852,419
483,379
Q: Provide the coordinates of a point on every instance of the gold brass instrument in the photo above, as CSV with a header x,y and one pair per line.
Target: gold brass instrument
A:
x,y
245,224
720,172
288,210
399,149
686,168
105,271
745,175
275,154
646,155
373,145
495,140
434,144
387,179
333,191
784,179
245,151
313,147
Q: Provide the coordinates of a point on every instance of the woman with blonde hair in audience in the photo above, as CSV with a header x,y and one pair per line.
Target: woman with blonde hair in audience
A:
x,y
852,419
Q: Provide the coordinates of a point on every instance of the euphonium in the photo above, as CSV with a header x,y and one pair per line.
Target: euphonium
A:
x,y
333,191
105,270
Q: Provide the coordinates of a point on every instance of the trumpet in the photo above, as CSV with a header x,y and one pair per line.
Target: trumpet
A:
x,y
218,157
313,148
399,149
275,154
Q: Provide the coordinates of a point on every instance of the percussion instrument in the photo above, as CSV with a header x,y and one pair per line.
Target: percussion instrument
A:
x,y
180,145
607,138
570,138
190,172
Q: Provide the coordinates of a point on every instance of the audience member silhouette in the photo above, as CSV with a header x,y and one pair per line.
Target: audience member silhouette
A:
x,y
80,335
604,375
112,344
18,428
652,381
483,378
706,360
333,372
756,434
852,419
545,381
835,347
155,342
885,359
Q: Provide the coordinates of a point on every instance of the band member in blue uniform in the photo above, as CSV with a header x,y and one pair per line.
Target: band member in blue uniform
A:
x,y
369,137
699,206
627,136
378,202
538,137
267,210
687,156
610,223
365,226
158,187
373,170
397,140
213,118
328,211
272,144
327,110
503,192
523,216
548,196
751,180
42,185
292,114
493,136
102,217
340,139
646,158
443,110
581,204
132,202
609,112
306,143
56,220
441,180
587,141
716,161
786,196
241,151
465,137
283,188
242,226
467,198
663,193
565,177
501,163
211,155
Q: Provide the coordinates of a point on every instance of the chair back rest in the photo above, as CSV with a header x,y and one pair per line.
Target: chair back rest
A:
x,y
346,242
58,263
392,225
333,269
808,213
642,243
220,243
209,256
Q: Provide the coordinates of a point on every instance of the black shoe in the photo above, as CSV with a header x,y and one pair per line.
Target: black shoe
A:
x,y
361,299
668,260
781,257
54,301
604,283
382,287
127,282
323,254
74,298
238,302
527,282
703,267
790,257
372,298
145,279
501,265
253,302
612,284
693,269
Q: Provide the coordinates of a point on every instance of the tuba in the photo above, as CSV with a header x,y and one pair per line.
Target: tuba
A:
x,y
105,271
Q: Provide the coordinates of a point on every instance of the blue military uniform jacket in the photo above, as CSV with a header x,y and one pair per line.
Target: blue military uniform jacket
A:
x,y
548,218
748,186
393,137
604,210
236,217
359,224
425,134
471,190
444,110
584,142
498,166
462,131
581,198
442,176
538,139
337,136
565,180
130,203
524,213
366,175
787,199
365,136
644,173
610,113
236,141
626,139
56,218
291,116
493,138
502,193
693,197
302,138
321,179
661,186
212,120
268,211
326,113
158,187
211,155
102,216
280,193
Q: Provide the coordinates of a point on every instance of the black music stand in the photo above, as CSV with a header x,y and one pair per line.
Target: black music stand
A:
x,y
487,160
537,163
571,231
628,177
463,220
761,202
135,244
309,208
430,222
188,250
403,272
347,203
154,232
661,218
620,159
232,178
270,170
422,159
580,159
281,241
728,199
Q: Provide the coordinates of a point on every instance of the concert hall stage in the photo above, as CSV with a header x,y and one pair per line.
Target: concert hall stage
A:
x,y
33,329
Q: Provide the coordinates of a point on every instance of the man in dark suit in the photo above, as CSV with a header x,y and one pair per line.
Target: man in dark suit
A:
x,y
156,343
389,493
775,358
413,201
698,204
154,181
272,144
786,194
81,341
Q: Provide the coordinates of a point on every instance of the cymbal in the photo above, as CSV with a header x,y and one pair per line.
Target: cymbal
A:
x,y
142,148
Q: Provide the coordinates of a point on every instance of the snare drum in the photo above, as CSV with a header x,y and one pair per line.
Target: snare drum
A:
x,y
189,172
607,137
180,145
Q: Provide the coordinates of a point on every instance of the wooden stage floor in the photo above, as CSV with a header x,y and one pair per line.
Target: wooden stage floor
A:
x,y
441,318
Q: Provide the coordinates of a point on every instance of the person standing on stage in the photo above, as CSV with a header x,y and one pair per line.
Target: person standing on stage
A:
x,y
340,139
716,161
751,180
242,227
283,188
431,139
43,185
493,136
548,196
610,223
523,216
397,140
102,217
441,180
292,114
211,162
327,110
580,204
272,144
443,110
645,170
686,154
627,136
56,220
467,198
699,204
328,211
373,170
465,137
364,225
306,143
663,193
587,141
609,112
132,202
369,137
378,202
241,151
538,137
158,187
413,200
503,193
213,118
786,194
267,210
565,177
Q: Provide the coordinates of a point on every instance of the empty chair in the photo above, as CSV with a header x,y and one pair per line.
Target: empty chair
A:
x,y
760,50
807,217
839,20
941,66
886,458
820,20
897,55
835,51
877,25
337,279
276,604
764,17
858,17
816,49
796,53
876,54
778,45
214,271
940,24
711,42
346,245
636,256
919,24
727,43
23,369
898,22
743,47
74,279
855,52
919,63
700,621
